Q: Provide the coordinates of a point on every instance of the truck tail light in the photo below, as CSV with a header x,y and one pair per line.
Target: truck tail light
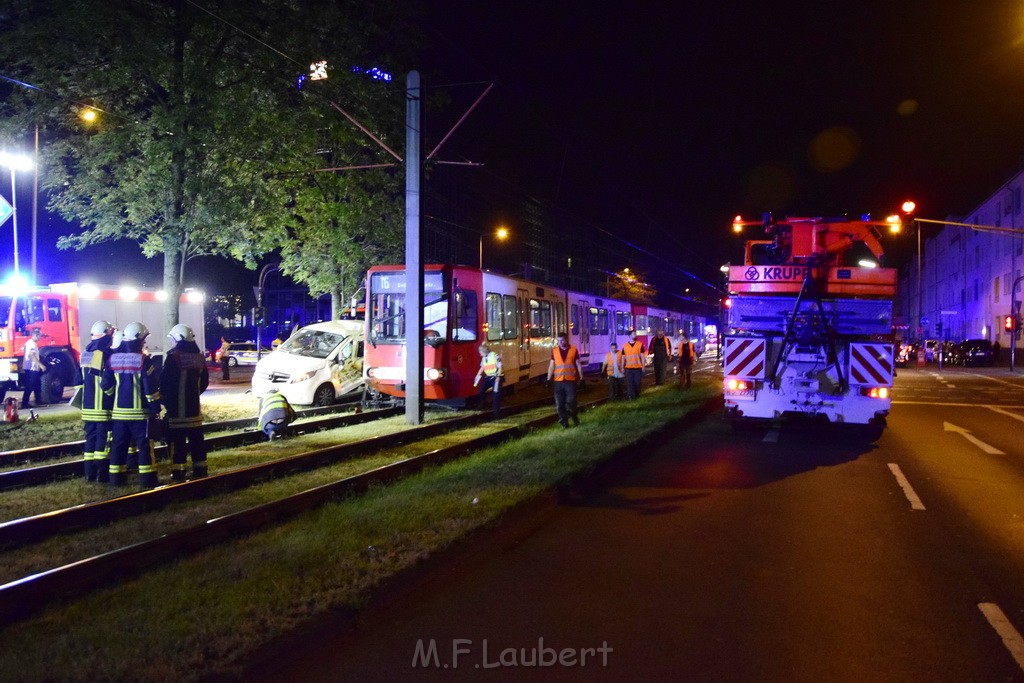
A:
x,y
875,392
736,384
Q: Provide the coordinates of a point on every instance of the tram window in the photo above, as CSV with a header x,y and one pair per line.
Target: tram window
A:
x,y
540,318
602,321
641,324
510,322
621,322
592,320
494,317
388,317
464,312
575,323
559,317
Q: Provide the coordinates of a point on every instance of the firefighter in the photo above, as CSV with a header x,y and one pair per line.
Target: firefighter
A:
x,y
96,405
131,378
275,414
566,371
489,377
183,378
661,352
634,357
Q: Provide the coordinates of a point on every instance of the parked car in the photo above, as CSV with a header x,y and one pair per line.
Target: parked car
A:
x,y
930,349
975,352
241,353
904,354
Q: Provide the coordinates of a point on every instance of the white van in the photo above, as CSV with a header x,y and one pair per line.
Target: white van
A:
x,y
317,365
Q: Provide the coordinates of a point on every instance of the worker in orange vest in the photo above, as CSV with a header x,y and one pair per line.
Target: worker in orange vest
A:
x,y
565,370
634,358
686,356
612,367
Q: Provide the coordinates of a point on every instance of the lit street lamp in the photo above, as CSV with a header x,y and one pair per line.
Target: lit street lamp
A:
x,y
500,234
15,163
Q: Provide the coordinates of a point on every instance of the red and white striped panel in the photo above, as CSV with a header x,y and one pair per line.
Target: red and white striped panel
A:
x,y
745,357
871,364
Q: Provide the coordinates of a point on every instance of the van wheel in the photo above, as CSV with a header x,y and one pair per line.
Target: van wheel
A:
x,y
324,396
58,374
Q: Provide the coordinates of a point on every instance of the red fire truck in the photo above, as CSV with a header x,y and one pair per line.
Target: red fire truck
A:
x,y
64,314
809,331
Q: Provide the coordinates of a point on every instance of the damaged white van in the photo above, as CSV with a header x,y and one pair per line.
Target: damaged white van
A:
x,y
317,365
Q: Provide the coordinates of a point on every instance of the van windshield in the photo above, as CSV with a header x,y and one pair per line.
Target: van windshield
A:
x,y
312,343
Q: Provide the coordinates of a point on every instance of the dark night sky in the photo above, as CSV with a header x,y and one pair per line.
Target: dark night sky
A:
x,y
659,123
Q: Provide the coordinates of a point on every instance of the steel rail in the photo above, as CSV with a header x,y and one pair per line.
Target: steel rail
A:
x,y
43,474
22,597
61,450
26,530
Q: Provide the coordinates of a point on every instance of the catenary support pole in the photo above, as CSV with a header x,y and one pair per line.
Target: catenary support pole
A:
x,y
413,254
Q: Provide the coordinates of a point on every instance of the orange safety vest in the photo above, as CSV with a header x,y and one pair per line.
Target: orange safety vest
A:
x,y
611,361
565,367
633,353
686,353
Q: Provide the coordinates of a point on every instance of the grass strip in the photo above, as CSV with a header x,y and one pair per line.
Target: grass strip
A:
x,y
205,615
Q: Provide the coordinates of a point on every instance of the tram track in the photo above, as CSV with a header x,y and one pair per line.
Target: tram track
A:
x,y
44,474
20,597
73,448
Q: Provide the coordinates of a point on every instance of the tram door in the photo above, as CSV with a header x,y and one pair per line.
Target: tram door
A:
x,y
524,331
586,312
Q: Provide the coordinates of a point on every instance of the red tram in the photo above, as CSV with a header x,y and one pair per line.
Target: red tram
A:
x,y
519,319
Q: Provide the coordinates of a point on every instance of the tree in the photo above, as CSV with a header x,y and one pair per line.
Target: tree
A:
x,y
630,285
195,111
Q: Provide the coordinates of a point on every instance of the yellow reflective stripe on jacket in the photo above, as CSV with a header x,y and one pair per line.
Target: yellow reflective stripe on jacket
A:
x,y
490,365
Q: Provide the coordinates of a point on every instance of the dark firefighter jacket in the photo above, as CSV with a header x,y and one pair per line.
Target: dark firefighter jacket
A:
x,y
131,379
183,378
96,405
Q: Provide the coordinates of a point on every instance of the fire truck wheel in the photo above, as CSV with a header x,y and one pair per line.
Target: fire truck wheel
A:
x,y
324,396
58,374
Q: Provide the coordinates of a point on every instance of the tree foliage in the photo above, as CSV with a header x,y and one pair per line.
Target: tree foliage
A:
x,y
632,286
203,138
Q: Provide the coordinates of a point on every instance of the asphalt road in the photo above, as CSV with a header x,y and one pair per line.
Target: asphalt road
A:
x,y
772,554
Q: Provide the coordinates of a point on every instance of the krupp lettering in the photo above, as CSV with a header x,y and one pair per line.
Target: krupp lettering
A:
x,y
428,654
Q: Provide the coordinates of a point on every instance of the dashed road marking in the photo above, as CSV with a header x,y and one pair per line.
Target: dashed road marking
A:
x,y
1007,413
1011,637
908,490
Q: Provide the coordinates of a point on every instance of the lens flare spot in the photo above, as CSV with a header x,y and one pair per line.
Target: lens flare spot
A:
x,y
834,149
907,107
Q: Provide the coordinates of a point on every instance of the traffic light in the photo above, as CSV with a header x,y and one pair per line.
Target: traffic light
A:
x,y
1008,323
259,315
938,328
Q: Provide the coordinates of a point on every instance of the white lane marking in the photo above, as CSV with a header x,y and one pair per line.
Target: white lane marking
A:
x,y
1007,413
1011,637
1015,385
991,450
772,436
953,405
908,490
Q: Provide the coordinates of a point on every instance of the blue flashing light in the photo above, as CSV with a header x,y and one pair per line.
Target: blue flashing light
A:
x,y
14,285
373,72
300,81
865,217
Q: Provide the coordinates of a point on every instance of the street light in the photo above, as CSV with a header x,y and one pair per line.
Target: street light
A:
x,y
501,234
15,163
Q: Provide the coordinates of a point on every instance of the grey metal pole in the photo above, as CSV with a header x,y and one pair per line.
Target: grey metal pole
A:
x,y
413,254
35,205
920,299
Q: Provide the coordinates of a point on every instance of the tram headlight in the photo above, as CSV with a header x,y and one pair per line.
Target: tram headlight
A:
x,y
434,374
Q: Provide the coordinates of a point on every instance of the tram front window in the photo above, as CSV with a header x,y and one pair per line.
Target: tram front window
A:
x,y
387,298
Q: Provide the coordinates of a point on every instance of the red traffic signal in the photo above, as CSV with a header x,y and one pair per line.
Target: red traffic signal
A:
x,y
1008,323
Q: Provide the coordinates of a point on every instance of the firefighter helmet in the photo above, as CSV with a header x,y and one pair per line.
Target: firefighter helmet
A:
x,y
101,328
182,332
135,331
117,339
